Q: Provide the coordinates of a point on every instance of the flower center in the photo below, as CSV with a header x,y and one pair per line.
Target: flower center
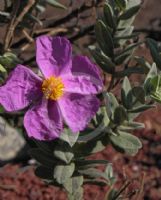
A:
x,y
53,88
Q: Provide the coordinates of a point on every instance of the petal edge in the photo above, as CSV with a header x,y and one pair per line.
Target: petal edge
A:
x,y
77,110
53,55
43,121
21,88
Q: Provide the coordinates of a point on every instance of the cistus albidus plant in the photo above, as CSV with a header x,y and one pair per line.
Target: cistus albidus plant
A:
x,y
71,115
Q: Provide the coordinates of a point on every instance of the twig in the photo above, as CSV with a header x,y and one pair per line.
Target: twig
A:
x,y
16,21
29,38
52,31
10,26
53,23
142,188
8,187
34,25
73,38
22,14
127,183
111,83
108,192
46,30
5,4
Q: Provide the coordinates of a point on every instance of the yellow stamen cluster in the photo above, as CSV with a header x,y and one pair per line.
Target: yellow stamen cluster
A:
x,y
53,88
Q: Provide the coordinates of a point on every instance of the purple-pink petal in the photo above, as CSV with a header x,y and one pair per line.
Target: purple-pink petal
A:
x,y
44,121
82,66
77,106
82,84
21,89
53,55
77,110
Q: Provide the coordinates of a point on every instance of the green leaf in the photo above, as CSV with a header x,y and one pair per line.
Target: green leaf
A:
x,y
152,73
93,173
136,125
91,147
90,163
103,61
40,8
69,137
63,172
130,126
112,194
139,93
109,171
124,33
126,94
78,195
121,4
143,63
55,4
9,60
2,110
154,52
132,116
123,24
133,3
156,97
130,4
125,142
2,69
120,115
5,14
130,12
97,146
36,19
44,173
154,88
98,130
124,57
44,146
73,184
110,175
141,108
130,48
112,104
127,72
63,153
109,16
98,182
104,38
42,157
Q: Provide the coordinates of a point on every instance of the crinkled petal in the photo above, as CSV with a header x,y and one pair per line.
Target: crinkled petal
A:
x,y
21,88
53,55
77,110
87,72
82,84
44,121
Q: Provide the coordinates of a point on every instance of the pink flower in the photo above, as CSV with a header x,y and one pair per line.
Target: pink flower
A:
x,y
67,92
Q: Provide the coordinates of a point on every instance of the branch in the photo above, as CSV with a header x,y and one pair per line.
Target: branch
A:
x,y
15,21
10,26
